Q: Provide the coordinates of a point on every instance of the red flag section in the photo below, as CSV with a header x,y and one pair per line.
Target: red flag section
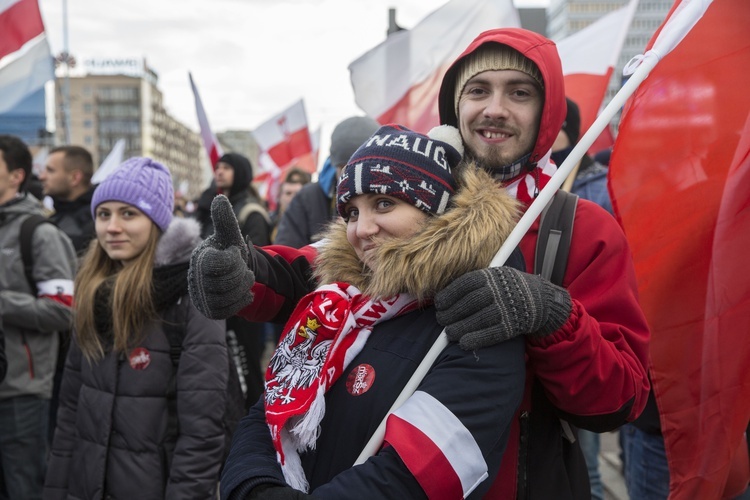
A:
x,y
679,180
20,21
398,81
26,64
589,57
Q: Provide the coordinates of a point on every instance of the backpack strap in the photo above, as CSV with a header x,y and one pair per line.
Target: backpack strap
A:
x,y
252,208
555,233
28,226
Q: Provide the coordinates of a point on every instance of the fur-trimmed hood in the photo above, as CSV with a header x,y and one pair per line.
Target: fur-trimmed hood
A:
x,y
178,241
465,238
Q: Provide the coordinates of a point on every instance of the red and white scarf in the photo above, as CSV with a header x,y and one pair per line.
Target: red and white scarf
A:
x,y
327,329
525,187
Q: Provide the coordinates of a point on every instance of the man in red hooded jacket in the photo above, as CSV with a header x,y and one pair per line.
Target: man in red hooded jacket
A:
x,y
505,94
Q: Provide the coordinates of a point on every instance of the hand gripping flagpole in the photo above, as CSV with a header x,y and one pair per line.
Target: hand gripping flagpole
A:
x,y
682,20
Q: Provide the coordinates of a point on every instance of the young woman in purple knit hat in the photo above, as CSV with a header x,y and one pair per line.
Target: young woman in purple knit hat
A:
x,y
118,433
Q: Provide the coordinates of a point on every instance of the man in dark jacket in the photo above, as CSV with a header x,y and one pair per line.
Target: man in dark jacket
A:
x,y
313,207
232,177
67,180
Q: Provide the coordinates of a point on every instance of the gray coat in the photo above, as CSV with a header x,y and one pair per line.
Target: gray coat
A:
x,y
112,421
31,322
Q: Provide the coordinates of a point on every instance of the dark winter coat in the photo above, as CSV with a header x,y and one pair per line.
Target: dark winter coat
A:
x,y
74,219
111,432
306,217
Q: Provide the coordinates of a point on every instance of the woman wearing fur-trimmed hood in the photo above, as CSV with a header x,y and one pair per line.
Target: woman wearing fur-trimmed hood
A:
x,y
413,220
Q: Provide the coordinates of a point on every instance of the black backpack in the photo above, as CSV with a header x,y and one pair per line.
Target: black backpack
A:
x,y
173,322
28,226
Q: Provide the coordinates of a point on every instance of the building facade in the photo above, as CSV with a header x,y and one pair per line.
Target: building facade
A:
x,y
120,99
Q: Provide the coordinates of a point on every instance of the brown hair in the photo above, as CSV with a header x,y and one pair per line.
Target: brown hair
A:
x,y
76,158
131,299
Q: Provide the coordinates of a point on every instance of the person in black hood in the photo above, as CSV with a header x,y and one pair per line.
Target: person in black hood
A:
x,y
233,175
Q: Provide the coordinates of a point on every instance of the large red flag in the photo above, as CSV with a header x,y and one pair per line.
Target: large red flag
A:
x,y
588,58
213,148
398,80
678,183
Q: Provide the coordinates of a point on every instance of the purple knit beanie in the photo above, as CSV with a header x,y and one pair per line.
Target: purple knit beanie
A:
x,y
142,182
404,164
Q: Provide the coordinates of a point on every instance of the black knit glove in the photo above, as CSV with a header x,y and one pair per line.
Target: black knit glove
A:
x,y
276,492
488,306
219,280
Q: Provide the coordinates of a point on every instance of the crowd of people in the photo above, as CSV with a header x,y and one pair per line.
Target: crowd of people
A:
x,y
132,334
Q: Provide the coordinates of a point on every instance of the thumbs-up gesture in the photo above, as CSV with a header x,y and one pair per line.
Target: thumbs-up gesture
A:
x,y
219,280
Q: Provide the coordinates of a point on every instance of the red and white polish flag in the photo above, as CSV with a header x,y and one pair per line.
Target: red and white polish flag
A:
x,y
436,447
284,141
398,80
25,59
213,148
679,184
589,58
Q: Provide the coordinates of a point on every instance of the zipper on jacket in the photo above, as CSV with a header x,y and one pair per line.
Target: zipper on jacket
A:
x,y
29,357
120,360
523,455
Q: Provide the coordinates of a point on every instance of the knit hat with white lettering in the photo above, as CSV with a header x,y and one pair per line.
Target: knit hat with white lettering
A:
x,y
142,182
406,165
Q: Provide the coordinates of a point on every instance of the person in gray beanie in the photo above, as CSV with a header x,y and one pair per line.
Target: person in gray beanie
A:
x,y
137,419
314,206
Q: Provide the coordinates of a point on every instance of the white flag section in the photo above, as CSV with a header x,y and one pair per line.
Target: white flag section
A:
x,y
398,80
589,57
210,143
25,71
113,159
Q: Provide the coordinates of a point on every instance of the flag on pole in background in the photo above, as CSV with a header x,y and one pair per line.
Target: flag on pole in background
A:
x,y
589,58
26,62
110,163
213,148
398,80
284,141
679,178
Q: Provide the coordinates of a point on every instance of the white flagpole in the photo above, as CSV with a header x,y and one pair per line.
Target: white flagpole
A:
x,y
682,20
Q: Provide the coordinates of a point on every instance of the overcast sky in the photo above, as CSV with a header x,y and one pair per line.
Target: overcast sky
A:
x,y
249,58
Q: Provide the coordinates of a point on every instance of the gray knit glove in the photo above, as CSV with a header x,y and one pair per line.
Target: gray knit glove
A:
x,y
219,280
488,306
